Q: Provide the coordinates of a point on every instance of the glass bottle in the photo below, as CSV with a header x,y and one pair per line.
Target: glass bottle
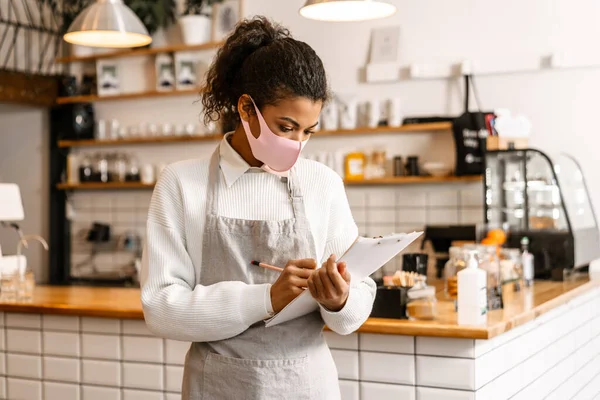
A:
x,y
456,263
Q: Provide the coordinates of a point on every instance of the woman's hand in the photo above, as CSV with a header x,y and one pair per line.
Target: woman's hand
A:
x,y
291,282
330,284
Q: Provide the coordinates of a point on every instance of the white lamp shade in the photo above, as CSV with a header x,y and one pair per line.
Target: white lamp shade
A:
x,y
346,10
108,23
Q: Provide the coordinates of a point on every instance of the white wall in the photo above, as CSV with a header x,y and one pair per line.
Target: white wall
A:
x,y
24,160
560,103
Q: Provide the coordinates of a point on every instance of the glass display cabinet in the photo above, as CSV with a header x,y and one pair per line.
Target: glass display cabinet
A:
x,y
544,197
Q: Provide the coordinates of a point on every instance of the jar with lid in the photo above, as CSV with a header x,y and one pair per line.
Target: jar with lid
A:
x,y
457,262
489,261
100,168
422,303
133,170
118,168
86,172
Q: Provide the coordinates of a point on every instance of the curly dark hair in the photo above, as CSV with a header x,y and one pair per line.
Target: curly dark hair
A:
x,y
260,58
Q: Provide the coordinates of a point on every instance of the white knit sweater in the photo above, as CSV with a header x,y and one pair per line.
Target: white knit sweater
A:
x,y
175,306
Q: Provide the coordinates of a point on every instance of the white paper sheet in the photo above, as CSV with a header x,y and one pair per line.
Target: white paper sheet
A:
x,y
363,258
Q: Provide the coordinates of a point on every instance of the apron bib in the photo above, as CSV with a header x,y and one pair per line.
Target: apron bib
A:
x,y
288,361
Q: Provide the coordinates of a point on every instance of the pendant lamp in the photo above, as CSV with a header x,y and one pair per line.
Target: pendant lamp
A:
x,y
346,10
108,23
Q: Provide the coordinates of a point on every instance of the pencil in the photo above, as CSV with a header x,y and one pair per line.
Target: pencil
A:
x,y
267,266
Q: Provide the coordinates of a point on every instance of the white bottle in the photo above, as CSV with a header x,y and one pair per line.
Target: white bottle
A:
x,y
527,262
472,293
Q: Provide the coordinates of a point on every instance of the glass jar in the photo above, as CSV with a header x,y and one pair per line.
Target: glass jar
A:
x,y
510,265
457,262
133,170
489,261
85,170
101,168
118,168
422,304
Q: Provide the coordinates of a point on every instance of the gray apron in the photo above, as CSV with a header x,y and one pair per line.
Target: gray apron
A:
x,y
289,361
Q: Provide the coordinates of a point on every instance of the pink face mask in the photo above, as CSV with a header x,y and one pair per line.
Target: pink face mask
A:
x,y
278,153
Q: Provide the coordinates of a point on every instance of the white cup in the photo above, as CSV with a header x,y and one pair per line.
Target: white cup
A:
x,y
114,129
348,111
394,112
330,117
101,130
373,113
147,174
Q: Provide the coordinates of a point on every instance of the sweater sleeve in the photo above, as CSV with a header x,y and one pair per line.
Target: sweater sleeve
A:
x,y
174,305
341,235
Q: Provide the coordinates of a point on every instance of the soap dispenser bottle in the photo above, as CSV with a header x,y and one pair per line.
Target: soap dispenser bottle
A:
x,y
472,293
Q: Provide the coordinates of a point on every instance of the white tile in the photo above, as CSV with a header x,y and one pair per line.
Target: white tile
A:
x,y
101,372
172,396
383,197
387,343
346,362
100,346
60,323
411,198
142,376
100,325
141,395
136,348
62,391
2,341
100,393
441,216
359,214
176,351
344,342
451,373
349,390
471,216
135,327
23,366
174,378
424,393
411,216
386,391
24,389
472,196
17,320
450,347
3,388
61,369
23,341
442,198
61,343
2,364
382,215
387,368
357,197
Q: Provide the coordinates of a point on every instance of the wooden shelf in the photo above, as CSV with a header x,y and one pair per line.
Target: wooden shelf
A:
x,y
140,52
125,96
132,141
434,127
104,186
385,181
429,127
399,180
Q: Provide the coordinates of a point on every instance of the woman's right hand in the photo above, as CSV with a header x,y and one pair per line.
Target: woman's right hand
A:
x,y
291,282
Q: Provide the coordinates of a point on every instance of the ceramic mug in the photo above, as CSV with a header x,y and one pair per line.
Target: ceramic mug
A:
x,y
329,116
147,174
394,112
348,113
373,113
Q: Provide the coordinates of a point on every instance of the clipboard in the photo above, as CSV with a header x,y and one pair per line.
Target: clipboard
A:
x,y
365,256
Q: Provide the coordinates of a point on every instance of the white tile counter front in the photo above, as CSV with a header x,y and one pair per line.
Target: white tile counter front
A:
x,y
554,356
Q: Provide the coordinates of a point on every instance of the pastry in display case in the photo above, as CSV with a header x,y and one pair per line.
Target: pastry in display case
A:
x,y
543,197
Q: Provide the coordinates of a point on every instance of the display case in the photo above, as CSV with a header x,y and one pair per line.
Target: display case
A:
x,y
544,197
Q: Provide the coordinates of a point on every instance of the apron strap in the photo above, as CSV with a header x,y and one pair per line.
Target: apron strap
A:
x,y
214,183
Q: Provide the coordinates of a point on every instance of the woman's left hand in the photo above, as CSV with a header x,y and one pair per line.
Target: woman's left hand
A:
x,y
330,284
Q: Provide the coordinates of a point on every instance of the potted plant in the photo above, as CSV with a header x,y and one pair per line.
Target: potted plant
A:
x,y
196,21
156,15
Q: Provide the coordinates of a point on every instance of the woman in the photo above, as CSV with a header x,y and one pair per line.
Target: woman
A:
x,y
254,200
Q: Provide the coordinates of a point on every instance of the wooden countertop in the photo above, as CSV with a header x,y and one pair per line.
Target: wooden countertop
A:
x,y
519,308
